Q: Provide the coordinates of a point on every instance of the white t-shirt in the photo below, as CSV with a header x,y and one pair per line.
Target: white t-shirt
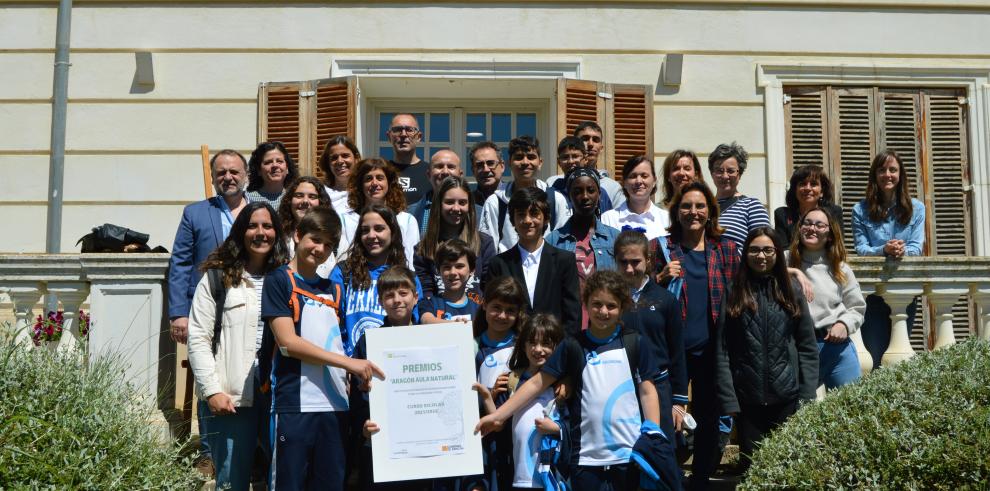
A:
x,y
526,440
653,222
407,225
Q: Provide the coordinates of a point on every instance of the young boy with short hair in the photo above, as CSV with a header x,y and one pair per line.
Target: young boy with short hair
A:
x,y
455,261
397,294
309,372
572,153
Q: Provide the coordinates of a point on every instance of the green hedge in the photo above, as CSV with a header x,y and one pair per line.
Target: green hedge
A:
x,y
923,424
64,425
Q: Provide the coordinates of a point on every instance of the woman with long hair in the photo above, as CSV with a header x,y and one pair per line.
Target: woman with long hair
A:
x,y
764,343
838,305
377,246
223,361
337,160
454,218
302,195
639,185
888,222
680,168
270,168
376,182
697,263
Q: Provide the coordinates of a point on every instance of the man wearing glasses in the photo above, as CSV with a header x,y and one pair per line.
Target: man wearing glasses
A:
x,y
404,135
487,165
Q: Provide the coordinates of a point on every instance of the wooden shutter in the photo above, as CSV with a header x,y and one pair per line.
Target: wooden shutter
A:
x,y
631,125
625,113
304,115
852,145
806,115
280,114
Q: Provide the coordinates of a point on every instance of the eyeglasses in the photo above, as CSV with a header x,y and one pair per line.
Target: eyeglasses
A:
x,y
766,251
726,172
487,164
398,130
819,226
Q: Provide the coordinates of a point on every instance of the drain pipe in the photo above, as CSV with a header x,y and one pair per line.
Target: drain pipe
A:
x,y
60,96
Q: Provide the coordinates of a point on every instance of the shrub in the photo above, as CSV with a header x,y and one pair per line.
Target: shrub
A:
x,y
66,425
922,424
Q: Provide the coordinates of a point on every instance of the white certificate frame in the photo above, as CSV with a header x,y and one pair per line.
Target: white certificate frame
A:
x,y
468,463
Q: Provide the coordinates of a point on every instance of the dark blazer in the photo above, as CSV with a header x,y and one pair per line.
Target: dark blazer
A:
x,y
557,284
199,233
785,222
659,314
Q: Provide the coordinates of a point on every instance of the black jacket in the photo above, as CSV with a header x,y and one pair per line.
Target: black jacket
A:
x,y
766,357
556,283
658,314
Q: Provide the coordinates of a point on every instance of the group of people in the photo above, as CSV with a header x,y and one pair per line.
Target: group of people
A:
x,y
594,309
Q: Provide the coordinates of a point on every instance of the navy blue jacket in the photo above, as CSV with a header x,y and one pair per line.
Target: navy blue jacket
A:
x,y
659,316
199,233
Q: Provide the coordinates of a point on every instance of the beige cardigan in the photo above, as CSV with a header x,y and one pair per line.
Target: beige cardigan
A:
x,y
233,369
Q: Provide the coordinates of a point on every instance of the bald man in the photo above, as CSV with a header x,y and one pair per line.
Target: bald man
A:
x,y
443,164
404,134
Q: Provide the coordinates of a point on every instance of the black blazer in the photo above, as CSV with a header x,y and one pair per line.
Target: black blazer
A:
x,y
557,284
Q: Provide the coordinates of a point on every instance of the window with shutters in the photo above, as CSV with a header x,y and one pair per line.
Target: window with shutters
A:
x,y
841,128
304,115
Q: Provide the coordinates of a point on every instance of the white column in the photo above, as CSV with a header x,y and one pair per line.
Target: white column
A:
x,y
71,294
898,298
981,294
944,297
865,358
24,297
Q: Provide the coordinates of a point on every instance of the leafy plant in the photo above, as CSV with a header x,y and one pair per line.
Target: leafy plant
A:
x,y
922,424
69,424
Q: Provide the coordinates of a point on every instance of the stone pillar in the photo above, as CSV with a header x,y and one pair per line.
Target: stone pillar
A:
x,y
24,297
71,294
898,297
944,297
981,294
865,358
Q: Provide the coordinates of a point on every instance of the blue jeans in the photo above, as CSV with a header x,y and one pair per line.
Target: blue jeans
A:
x,y
202,413
838,363
232,440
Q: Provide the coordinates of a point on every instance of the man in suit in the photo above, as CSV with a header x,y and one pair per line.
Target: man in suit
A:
x,y
549,274
204,226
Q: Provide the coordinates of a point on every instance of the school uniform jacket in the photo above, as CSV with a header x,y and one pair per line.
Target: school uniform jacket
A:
x,y
658,316
556,289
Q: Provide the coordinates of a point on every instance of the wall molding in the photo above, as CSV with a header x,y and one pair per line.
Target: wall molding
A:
x,y
467,68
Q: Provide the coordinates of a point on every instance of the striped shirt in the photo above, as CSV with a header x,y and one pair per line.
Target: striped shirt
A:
x,y
740,217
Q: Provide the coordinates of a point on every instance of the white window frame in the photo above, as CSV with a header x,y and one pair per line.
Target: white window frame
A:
x,y
976,80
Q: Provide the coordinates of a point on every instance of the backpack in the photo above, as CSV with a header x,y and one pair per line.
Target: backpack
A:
x,y
503,210
266,354
219,293
658,249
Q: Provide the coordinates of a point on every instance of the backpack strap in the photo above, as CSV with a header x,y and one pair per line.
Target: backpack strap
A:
x,y
514,377
630,341
294,302
503,210
552,202
219,293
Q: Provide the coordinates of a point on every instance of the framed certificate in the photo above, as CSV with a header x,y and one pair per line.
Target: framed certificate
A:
x,y
425,407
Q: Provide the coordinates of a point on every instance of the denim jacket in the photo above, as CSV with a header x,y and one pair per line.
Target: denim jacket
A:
x,y
603,242
870,236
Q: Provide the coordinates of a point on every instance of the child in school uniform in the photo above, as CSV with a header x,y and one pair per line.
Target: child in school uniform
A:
x,y
309,371
539,337
495,328
398,297
456,263
614,396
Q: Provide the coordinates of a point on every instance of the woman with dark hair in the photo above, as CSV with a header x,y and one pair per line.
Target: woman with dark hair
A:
x,y
639,184
336,161
455,218
889,222
270,168
377,245
810,188
764,343
223,361
740,213
680,168
697,263
838,305
376,182
302,195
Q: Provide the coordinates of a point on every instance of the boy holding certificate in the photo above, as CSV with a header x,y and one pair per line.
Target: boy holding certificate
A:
x,y
309,396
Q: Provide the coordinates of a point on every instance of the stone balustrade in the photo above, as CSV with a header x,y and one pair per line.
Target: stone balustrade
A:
x,y
125,293
942,280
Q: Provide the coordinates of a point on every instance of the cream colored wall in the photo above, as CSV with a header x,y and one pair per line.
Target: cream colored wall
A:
x,y
133,155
